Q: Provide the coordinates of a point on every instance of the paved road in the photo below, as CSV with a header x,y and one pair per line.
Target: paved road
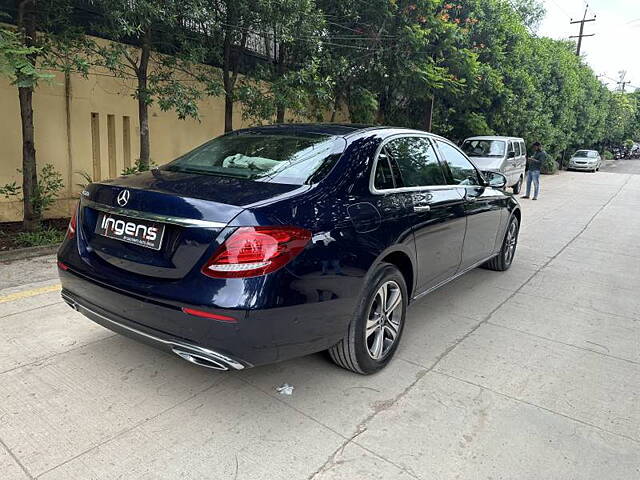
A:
x,y
529,374
622,166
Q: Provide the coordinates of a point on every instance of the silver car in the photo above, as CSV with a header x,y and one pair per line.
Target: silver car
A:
x,y
506,155
589,160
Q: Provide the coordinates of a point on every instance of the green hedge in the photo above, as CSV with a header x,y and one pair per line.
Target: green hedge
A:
x,y
549,166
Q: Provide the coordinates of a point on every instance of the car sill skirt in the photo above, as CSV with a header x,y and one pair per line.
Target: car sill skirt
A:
x,y
459,274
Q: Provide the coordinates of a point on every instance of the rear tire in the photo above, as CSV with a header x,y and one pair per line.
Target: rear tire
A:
x,y
518,186
504,259
377,324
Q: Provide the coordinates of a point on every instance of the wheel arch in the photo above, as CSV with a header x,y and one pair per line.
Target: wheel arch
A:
x,y
518,214
402,260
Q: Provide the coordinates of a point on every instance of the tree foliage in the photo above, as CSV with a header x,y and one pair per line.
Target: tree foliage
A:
x,y
459,68
42,39
149,42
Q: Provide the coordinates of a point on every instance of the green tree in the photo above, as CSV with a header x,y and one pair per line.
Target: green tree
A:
x,y
227,27
150,41
521,85
394,56
290,78
42,40
620,121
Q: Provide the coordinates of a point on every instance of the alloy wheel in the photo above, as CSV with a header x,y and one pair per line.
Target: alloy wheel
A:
x,y
384,320
510,242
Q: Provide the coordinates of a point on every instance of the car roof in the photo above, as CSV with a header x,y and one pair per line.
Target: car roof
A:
x,y
493,137
333,129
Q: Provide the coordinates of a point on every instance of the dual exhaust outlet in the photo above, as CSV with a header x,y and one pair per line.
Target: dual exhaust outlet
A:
x,y
203,357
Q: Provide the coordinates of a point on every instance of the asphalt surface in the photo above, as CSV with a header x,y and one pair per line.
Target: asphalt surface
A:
x,y
529,374
622,166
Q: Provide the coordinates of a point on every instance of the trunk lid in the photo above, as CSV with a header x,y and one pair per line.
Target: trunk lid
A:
x,y
189,211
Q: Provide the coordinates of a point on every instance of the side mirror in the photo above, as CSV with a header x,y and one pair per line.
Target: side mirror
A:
x,y
495,179
511,154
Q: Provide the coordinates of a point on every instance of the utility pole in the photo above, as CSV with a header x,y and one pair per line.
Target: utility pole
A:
x,y
581,34
621,83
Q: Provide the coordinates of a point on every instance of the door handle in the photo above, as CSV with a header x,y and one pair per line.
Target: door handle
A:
x,y
421,208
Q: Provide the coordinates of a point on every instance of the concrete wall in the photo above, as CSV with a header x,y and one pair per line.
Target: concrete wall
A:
x,y
63,112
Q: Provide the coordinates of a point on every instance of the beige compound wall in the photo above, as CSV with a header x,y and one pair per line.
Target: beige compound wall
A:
x,y
74,116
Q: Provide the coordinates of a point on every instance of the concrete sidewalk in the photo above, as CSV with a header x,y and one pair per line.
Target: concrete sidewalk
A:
x,y
529,374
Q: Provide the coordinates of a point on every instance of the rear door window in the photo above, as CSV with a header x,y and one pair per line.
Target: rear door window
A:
x,y
414,162
384,177
462,171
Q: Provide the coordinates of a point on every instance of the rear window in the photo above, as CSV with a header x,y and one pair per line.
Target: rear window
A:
x,y
293,159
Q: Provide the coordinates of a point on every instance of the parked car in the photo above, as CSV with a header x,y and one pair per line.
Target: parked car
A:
x,y
274,242
585,160
506,155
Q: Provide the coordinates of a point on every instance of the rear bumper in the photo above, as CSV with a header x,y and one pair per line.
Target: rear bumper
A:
x,y
189,351
258,337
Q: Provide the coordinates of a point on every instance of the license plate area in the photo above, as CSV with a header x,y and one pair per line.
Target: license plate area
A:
x,y
143,233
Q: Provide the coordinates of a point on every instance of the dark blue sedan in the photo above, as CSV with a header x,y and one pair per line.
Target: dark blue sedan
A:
x,y
274,242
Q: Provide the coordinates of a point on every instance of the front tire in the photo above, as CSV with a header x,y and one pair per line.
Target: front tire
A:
x,y
504,259
518,186
377,324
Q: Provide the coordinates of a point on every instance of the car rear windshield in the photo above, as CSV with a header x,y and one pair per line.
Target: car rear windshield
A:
x,y
585,154
484,148
293,159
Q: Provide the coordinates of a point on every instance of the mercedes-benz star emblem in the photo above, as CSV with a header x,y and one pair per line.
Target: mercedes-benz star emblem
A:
x,y
123,198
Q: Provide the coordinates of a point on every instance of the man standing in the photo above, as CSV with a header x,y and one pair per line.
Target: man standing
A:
x,y
533,170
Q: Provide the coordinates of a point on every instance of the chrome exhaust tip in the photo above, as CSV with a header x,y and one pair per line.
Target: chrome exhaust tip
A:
x,y
70,302
200,359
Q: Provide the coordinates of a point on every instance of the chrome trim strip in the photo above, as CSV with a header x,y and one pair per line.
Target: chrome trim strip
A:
x,y
154,217
205,351
459,274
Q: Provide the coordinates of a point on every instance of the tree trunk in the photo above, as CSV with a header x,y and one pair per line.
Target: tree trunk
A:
x,y
227,83
31,216
228,113
143,101
231,56
280,69
380,113
429,114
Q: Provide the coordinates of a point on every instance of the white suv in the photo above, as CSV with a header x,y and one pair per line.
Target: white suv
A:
x,y
507,155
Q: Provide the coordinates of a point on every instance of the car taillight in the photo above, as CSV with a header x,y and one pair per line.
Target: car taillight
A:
x,y
254,251
73,223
